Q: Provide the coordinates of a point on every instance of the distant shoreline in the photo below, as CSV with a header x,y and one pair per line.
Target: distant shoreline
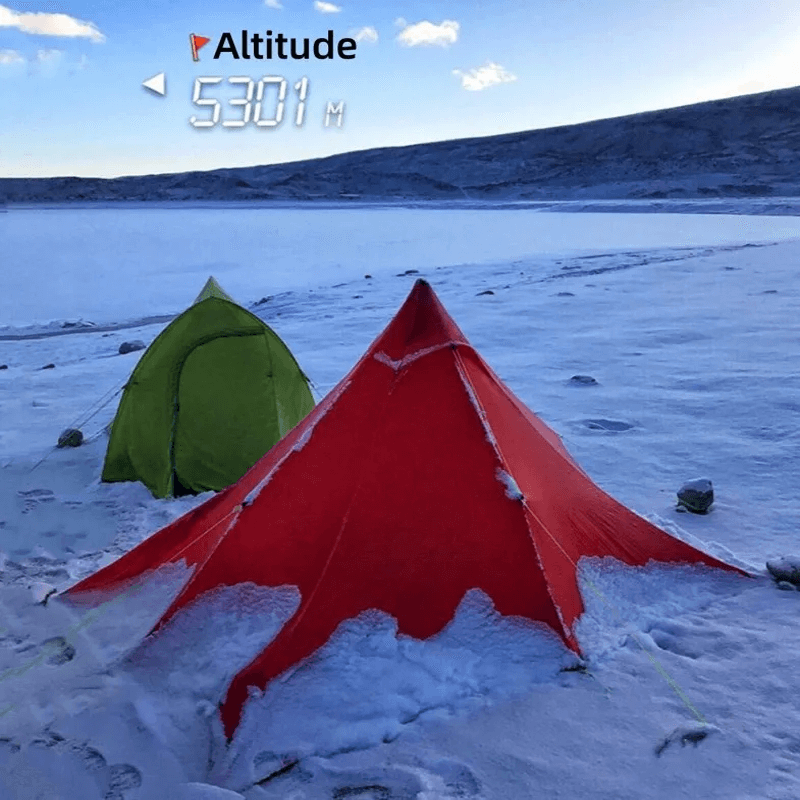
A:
x,y
43,332
772,206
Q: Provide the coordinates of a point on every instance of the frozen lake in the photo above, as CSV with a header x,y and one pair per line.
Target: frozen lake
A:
x,y
104,264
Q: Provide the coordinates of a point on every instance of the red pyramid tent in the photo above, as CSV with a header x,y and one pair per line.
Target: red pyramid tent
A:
x,y
419,477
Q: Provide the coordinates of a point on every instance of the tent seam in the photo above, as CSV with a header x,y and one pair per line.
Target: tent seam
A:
x,y
495,445
301,612
251,496
403,362
671,682
177,385
231,517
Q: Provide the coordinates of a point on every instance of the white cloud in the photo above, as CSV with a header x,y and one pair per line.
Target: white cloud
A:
x,y
11,57
47,61
48,56
326,8
366,34
490,74
401,22
427,33
49,24
273,3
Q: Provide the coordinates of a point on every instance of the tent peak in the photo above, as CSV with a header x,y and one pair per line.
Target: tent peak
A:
x,y
421,323
213,289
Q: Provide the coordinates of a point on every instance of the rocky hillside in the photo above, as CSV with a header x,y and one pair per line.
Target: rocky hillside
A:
x,y
740,147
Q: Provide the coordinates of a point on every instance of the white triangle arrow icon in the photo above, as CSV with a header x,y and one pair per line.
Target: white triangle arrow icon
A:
x,y
157,84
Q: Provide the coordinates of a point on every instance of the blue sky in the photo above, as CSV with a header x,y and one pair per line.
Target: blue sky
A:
x,y
71,100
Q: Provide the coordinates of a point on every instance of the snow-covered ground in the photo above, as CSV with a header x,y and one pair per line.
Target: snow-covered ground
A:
x,y
689,325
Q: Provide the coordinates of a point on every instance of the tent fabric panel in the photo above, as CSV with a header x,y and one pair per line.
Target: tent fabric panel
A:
x,y
587,521
299,511
291,396
569,516
190,538
148,402
225,416
413,546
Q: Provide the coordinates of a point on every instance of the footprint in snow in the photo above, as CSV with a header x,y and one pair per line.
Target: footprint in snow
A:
x,y
117,778
686,735
59,651
371,792
670,643
607,425
442,779
121,778
31,498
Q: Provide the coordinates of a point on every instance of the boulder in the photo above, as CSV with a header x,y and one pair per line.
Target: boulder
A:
x,y
131,347
785,570
696,496
582,380
71,437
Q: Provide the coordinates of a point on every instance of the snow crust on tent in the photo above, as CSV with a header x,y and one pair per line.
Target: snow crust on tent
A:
x,y
419,478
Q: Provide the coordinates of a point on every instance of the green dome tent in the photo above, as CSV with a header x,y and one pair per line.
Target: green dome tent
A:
x,y
214,391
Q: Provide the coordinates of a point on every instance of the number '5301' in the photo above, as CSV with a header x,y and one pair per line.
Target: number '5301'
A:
x,y
252,107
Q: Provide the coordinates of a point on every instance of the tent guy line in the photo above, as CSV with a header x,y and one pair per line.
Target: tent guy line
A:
x,y
83,622
136,586
520,497
108,605
98,611
297,618
83,419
